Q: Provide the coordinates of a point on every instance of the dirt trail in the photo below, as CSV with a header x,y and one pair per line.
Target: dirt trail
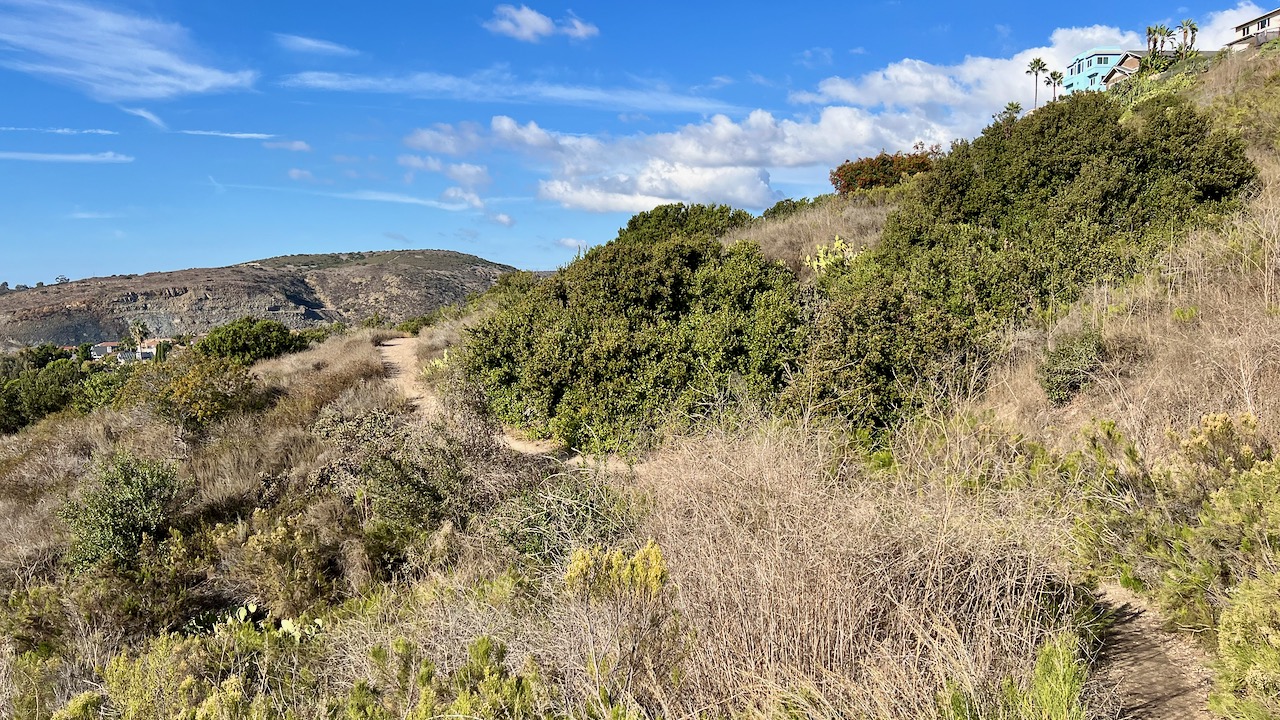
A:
x,y
400,355
1157,674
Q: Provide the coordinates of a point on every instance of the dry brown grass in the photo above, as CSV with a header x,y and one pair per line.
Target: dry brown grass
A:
x,y
804,581
247,458
789,240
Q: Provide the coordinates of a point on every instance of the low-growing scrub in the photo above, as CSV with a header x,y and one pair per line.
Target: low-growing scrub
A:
x,y
131,498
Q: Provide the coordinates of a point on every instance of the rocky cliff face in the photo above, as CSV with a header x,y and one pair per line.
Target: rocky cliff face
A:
x,y
299,291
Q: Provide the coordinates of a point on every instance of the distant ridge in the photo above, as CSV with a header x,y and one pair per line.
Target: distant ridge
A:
x,y
298,290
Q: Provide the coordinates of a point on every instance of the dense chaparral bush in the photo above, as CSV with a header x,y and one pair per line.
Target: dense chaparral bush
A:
x,y
654,323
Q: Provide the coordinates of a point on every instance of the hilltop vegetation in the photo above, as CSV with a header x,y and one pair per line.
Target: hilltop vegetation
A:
x,y
1014,223
877,475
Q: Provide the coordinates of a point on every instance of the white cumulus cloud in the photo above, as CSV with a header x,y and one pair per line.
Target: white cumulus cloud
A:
x,y
462,195
528,25
733,157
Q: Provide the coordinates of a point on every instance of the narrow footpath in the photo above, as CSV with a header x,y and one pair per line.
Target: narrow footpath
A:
x,y
400,356
1157,674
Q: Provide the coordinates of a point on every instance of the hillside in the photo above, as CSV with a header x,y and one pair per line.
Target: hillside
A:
x,y
298,290
996,441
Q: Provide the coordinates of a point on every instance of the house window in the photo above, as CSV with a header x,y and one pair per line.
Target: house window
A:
x,y
1104,61
1090,62
1264,23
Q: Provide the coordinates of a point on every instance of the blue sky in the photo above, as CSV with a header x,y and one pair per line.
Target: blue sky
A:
x,y
165,134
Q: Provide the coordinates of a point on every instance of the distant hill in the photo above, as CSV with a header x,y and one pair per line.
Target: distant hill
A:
x,y
298,290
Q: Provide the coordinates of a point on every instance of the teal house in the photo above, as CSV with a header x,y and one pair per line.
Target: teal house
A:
x,y
1088,68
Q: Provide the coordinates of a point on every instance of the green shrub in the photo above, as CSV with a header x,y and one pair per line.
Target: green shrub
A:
x,y
409,686
242,668
85,706
1054,692
315,335
290,564
193,391
1249,651
130,497
790,206
1014,222
102,388
35,382
414,325
247,341
639,330
1071,364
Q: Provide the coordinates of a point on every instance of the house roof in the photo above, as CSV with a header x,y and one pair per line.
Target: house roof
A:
x,y
106,344
1116,70
1263,16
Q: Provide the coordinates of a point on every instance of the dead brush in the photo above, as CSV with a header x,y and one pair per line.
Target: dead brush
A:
x,y
867,598
791,239
311,379
247,458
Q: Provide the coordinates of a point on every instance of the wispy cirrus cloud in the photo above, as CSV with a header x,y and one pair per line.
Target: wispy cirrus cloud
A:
x,y
59,131
90,215
291,145
102,157
146,115
362,195
232,135
501,86
815,57
313,46
111,56
528,25
397,198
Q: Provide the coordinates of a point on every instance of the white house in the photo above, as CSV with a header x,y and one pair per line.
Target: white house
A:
x,y
1257,31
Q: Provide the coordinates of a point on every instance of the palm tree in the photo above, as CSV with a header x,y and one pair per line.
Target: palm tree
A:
x,y
1163,34
1189,29
1151,39
1036,67
1054,80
